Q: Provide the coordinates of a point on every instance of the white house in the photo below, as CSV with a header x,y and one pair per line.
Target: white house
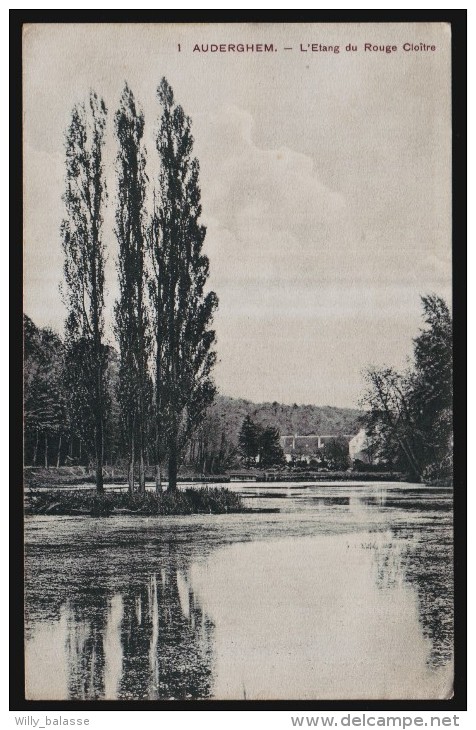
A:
x,y
305,448
359,447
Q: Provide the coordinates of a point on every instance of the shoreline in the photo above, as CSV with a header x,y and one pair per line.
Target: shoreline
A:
x,y
64,477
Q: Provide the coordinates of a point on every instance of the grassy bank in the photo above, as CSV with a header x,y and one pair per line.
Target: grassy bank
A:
x,y
206,500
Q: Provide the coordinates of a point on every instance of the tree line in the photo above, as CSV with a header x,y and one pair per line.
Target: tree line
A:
x,y
51,440
409,414
223,440
163,316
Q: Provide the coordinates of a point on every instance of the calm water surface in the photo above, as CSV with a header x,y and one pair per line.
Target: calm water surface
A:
x,y
345,593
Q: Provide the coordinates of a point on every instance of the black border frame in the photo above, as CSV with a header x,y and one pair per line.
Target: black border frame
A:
x,y
457,20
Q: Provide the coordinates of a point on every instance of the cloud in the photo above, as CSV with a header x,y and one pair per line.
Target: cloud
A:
x,y
303,288
267,211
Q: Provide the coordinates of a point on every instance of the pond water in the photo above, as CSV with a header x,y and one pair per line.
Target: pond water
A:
x,y
346,593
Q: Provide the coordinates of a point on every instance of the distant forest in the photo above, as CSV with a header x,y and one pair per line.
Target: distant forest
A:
x,y
50,439
288,419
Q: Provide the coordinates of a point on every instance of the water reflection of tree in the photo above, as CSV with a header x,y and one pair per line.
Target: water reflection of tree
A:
x,y
429,567
162,636
86,623
179,646
422,557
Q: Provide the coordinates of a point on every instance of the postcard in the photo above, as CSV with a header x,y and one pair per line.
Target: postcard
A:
x,y
238,361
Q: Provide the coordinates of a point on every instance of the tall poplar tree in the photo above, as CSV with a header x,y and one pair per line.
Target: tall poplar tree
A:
x,y
81,230
132,329
183,312
157,296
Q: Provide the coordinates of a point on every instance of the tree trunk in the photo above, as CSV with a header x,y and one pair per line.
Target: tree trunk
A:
x,y
99,474
158,479
172,470
410,458
99,455
98,417
35,451
59,453
46,450
99,445
141,472
131,466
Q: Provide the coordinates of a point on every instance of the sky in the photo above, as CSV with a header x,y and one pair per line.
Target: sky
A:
x,y
325,178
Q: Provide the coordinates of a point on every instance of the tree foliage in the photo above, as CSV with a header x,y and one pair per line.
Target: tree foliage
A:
x,y
131,314
260,445
44,397
409,414
182,311
53,423
335,454
248,440
84,260
270,449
